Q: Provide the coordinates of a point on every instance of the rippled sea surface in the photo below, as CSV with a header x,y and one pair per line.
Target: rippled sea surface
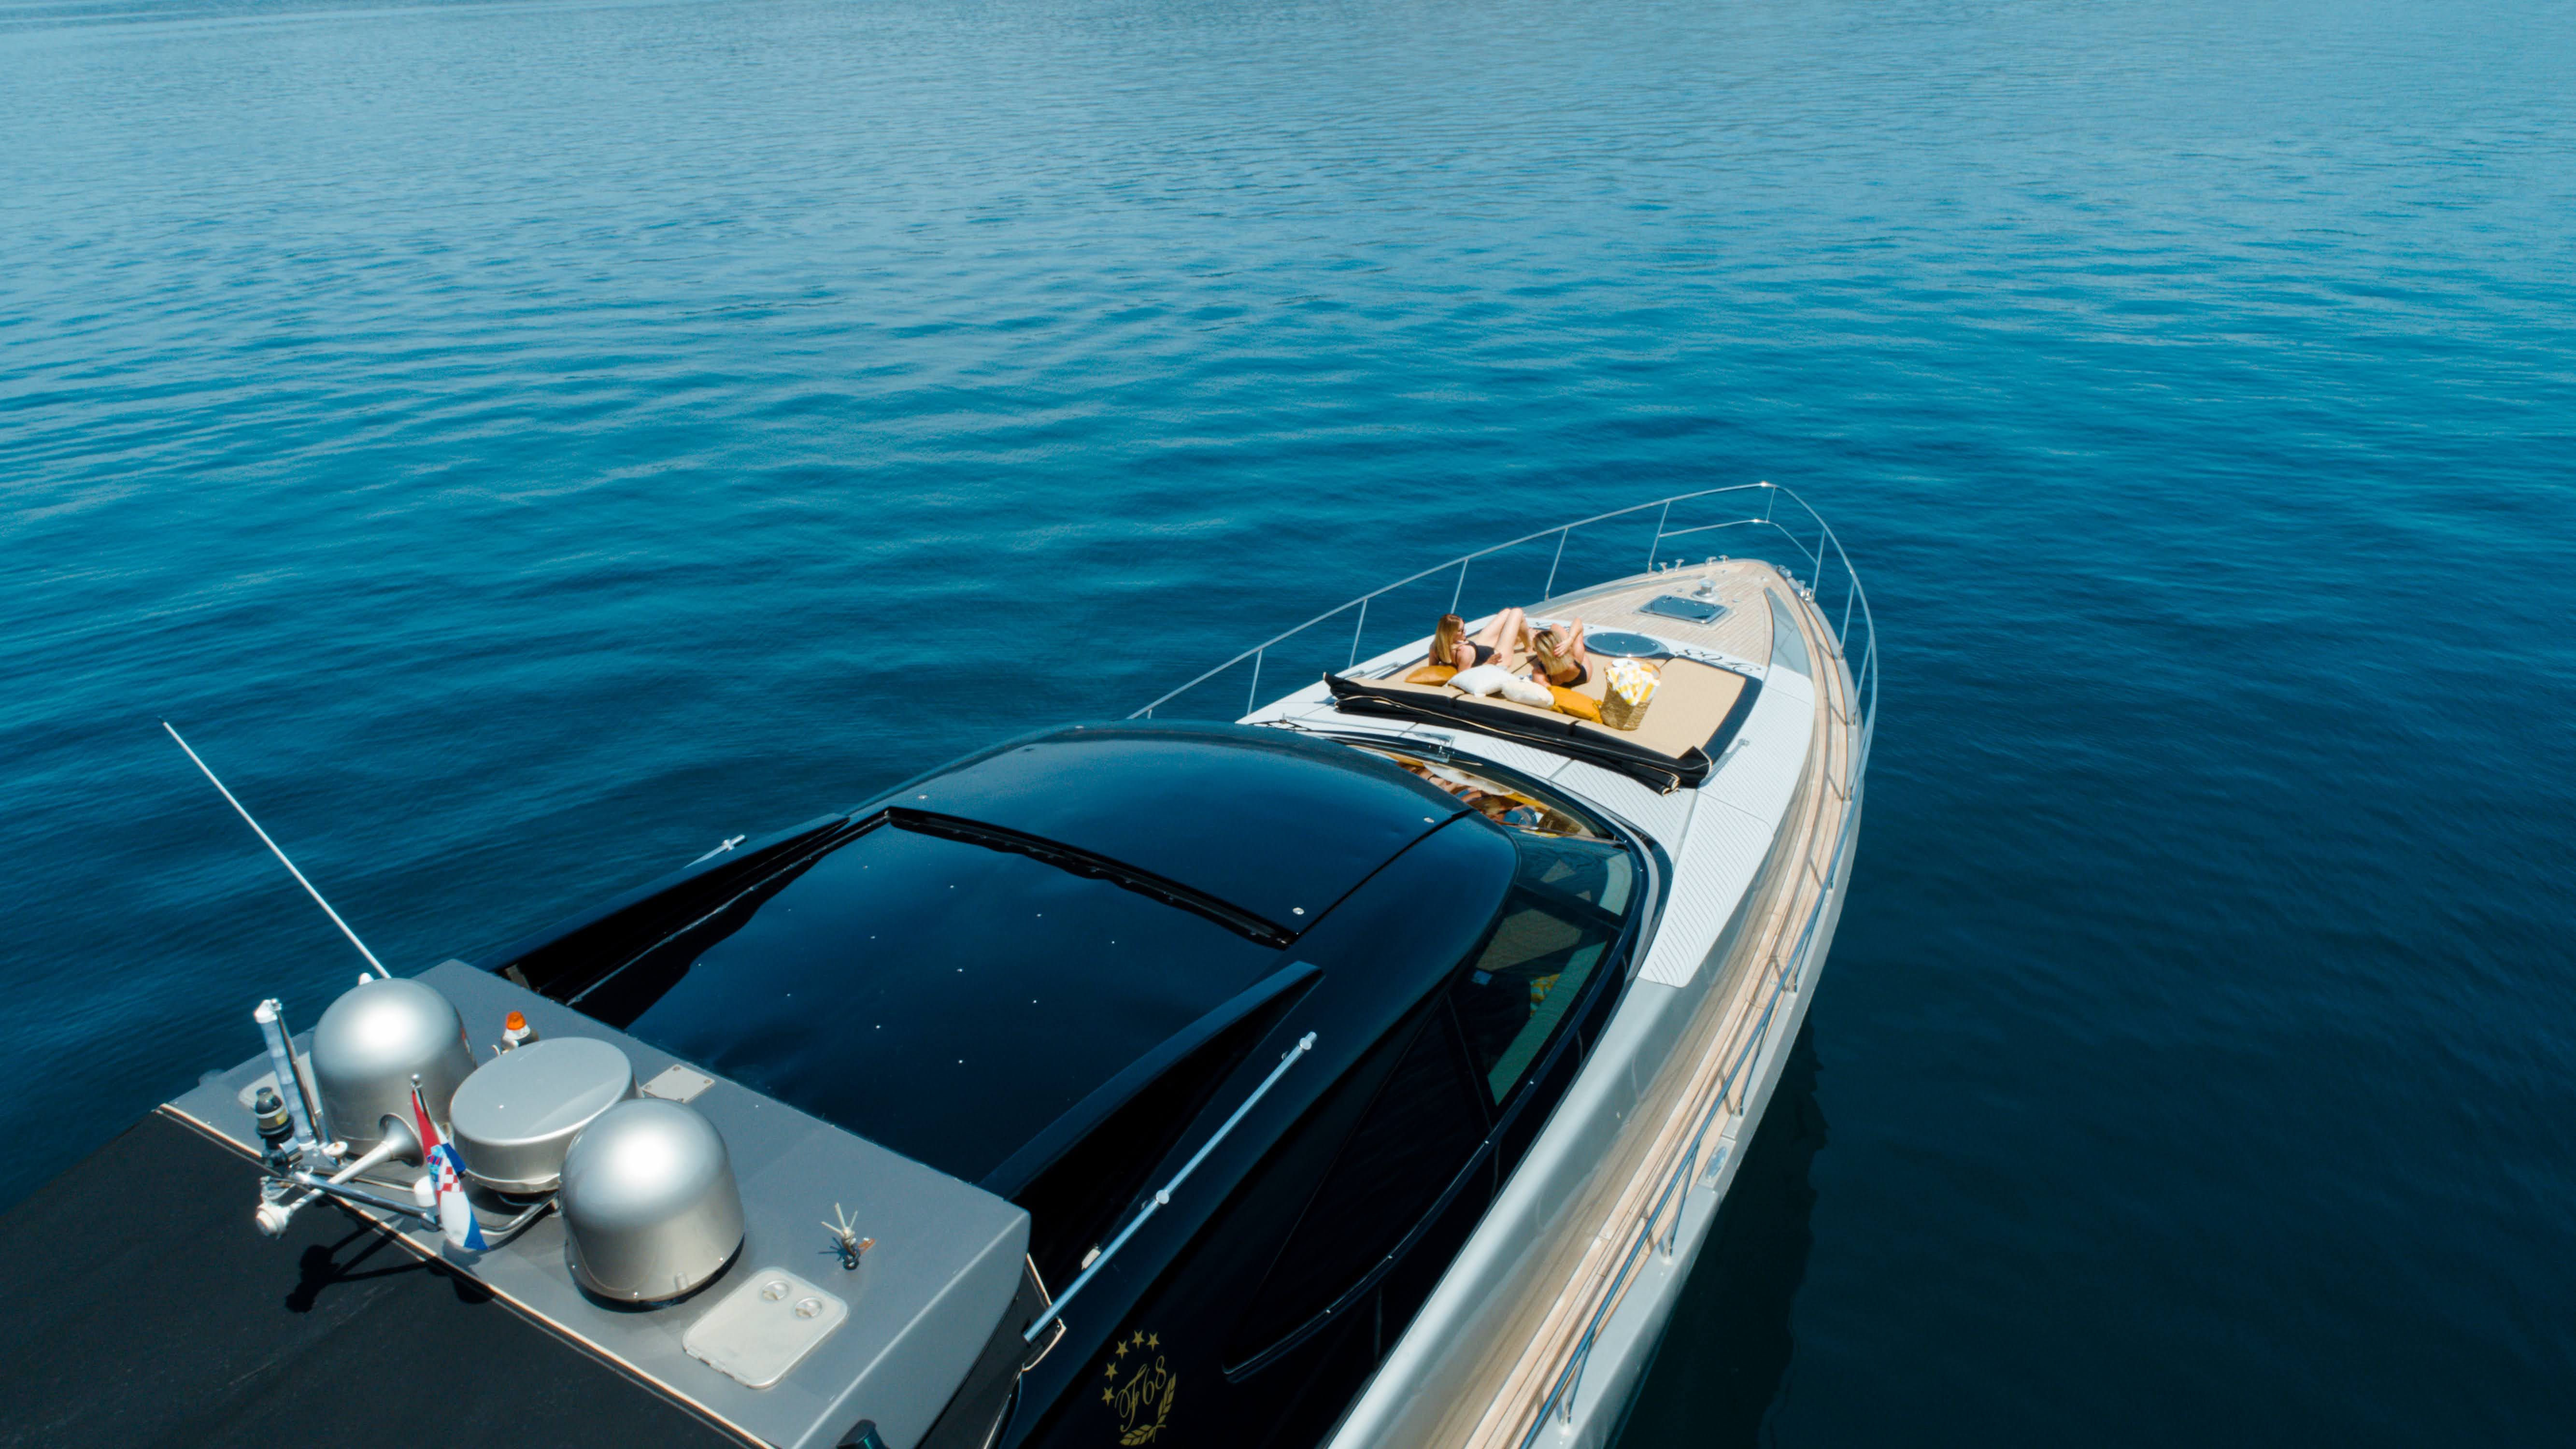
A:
x,y
524,443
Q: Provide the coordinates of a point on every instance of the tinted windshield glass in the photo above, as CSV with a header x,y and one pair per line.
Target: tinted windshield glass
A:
x,y
1514,807
945,999
1266,820
1559,920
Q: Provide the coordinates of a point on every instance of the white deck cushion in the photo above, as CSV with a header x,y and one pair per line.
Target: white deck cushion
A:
x,y
1482,680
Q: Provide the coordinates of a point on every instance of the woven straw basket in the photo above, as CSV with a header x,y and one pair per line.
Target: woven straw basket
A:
x,y
1619,714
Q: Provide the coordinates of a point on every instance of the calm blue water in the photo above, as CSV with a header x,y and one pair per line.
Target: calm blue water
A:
x,y
524,443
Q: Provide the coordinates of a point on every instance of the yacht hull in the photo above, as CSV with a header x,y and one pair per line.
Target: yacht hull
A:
x,y
1541,1329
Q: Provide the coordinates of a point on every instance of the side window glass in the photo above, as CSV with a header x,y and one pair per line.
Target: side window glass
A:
x,y
1421,1130
1560,919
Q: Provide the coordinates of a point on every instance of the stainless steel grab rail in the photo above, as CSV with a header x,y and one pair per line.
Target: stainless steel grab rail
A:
x,y
1163,1196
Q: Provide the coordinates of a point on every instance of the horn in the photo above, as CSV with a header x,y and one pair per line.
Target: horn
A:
x,y
398,1141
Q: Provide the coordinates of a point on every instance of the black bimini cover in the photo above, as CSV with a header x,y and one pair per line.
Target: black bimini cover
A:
x,y
145,1311
1278,824
1562,735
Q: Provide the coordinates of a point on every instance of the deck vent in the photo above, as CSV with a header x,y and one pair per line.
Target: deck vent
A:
x,y
650,1203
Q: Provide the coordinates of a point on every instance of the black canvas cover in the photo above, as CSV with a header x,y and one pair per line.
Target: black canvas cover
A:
x,y
1561,734
142,1309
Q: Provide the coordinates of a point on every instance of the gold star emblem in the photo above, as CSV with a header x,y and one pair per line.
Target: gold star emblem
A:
x,y
1122,1350
1139,1339
1111,1371
1153,1340
1109,1398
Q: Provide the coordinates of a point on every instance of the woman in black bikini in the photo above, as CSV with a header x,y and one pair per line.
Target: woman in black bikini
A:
x,y
1451,645
1562,660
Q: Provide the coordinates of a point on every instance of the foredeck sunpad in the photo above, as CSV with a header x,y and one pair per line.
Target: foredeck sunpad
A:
x,y
1693,703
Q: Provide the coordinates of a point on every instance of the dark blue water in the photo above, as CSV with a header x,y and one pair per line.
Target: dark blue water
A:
x,y
524,443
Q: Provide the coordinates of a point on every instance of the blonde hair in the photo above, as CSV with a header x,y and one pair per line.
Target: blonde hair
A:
x,y
1444,640
1550,646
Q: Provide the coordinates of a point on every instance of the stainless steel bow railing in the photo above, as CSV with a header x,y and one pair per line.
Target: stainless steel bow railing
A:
x,y
1706,514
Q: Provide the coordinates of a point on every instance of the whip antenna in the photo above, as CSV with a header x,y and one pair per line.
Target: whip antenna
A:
x,y
282,860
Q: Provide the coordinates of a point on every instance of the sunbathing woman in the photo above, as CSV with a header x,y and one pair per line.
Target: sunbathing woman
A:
x,y
1451,645
1561,658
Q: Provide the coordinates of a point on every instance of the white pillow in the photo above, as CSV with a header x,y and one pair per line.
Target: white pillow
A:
x,y
1484,679
1528,691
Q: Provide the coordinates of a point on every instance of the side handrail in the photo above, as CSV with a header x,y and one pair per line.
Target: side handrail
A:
x,y
1163,1196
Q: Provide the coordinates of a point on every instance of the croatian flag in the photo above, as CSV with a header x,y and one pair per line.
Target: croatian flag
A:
x,y
447,1173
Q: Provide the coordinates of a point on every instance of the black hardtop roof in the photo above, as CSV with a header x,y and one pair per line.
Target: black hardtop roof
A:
x,y
957,964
